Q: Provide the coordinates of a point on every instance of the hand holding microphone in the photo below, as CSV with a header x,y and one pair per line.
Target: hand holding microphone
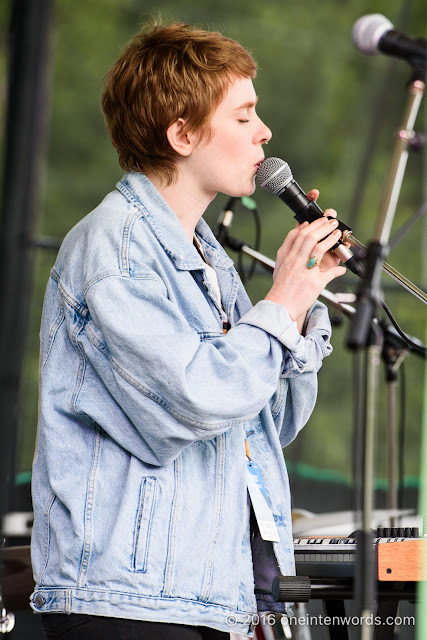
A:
x,y
304,264
301,272
330,258
276,176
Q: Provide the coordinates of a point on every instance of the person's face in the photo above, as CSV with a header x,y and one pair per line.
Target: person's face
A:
x,y
228,161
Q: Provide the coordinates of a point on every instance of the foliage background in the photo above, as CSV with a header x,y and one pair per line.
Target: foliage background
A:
x,y
333,113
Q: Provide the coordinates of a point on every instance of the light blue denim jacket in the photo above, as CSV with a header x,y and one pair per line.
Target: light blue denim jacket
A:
x,y
139,480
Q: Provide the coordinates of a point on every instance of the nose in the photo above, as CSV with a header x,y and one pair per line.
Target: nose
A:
x,y
264,134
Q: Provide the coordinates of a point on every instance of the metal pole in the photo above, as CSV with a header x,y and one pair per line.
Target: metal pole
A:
x,y
24,135
362,337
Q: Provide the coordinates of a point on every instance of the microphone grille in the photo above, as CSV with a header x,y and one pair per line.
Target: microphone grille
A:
x,y
367,32
274,174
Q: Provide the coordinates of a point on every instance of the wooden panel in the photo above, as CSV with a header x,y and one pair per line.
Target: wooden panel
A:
x,y
401,560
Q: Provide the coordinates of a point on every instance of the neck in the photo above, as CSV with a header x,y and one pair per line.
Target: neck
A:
x,y
186,201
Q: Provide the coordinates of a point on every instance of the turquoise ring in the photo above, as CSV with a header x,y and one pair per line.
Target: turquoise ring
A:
x,y
313,262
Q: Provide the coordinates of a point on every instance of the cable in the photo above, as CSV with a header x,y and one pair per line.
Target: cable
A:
x,y
421,350
249,203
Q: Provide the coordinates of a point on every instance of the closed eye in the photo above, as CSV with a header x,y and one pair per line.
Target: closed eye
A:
x,y
243,121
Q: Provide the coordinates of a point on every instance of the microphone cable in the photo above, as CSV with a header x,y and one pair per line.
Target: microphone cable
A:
x,y
416,348
250,204
222,233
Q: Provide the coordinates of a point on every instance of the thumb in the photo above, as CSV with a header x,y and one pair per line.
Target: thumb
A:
x,y
313,194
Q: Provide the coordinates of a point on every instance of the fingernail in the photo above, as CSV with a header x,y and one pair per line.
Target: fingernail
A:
x,y
333,222
337,232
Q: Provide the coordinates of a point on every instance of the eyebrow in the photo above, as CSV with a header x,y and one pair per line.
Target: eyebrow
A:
x,y
247,105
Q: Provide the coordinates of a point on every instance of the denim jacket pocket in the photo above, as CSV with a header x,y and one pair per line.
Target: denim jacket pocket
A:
x,y
143,524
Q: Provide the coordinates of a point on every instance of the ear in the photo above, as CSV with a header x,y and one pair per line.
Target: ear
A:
x,y
181,142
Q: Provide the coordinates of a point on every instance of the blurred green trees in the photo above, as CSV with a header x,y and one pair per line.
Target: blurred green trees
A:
x,y
328,107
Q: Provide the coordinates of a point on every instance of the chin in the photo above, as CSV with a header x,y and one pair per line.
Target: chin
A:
x,y
248,190
251,188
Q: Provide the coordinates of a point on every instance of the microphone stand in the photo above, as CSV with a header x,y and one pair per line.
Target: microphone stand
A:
x,y
394,351
398,277
361,336
238,245
393,355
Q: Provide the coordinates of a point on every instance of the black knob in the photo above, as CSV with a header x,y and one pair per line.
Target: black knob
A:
x,y
415,533
291,589
380,532
408,532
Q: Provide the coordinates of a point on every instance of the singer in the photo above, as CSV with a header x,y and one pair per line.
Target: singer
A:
x,y
161,498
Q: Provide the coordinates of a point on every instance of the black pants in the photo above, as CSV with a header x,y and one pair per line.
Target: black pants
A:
x,y
84,627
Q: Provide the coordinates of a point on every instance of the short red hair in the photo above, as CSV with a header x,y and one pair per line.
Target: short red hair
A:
x,y
166,73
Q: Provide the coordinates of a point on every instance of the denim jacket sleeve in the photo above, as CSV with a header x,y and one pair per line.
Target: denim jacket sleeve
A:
x,y
304,353
296,394
152,362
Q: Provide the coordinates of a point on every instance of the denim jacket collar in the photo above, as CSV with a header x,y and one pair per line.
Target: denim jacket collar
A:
x,y
168,229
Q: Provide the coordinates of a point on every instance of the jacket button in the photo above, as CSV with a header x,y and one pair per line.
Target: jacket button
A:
x,y
39,601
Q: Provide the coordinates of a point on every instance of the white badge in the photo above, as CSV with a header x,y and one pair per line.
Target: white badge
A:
x,y
263,514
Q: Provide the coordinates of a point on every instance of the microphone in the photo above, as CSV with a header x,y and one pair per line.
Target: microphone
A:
x,y
374,34
276,176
